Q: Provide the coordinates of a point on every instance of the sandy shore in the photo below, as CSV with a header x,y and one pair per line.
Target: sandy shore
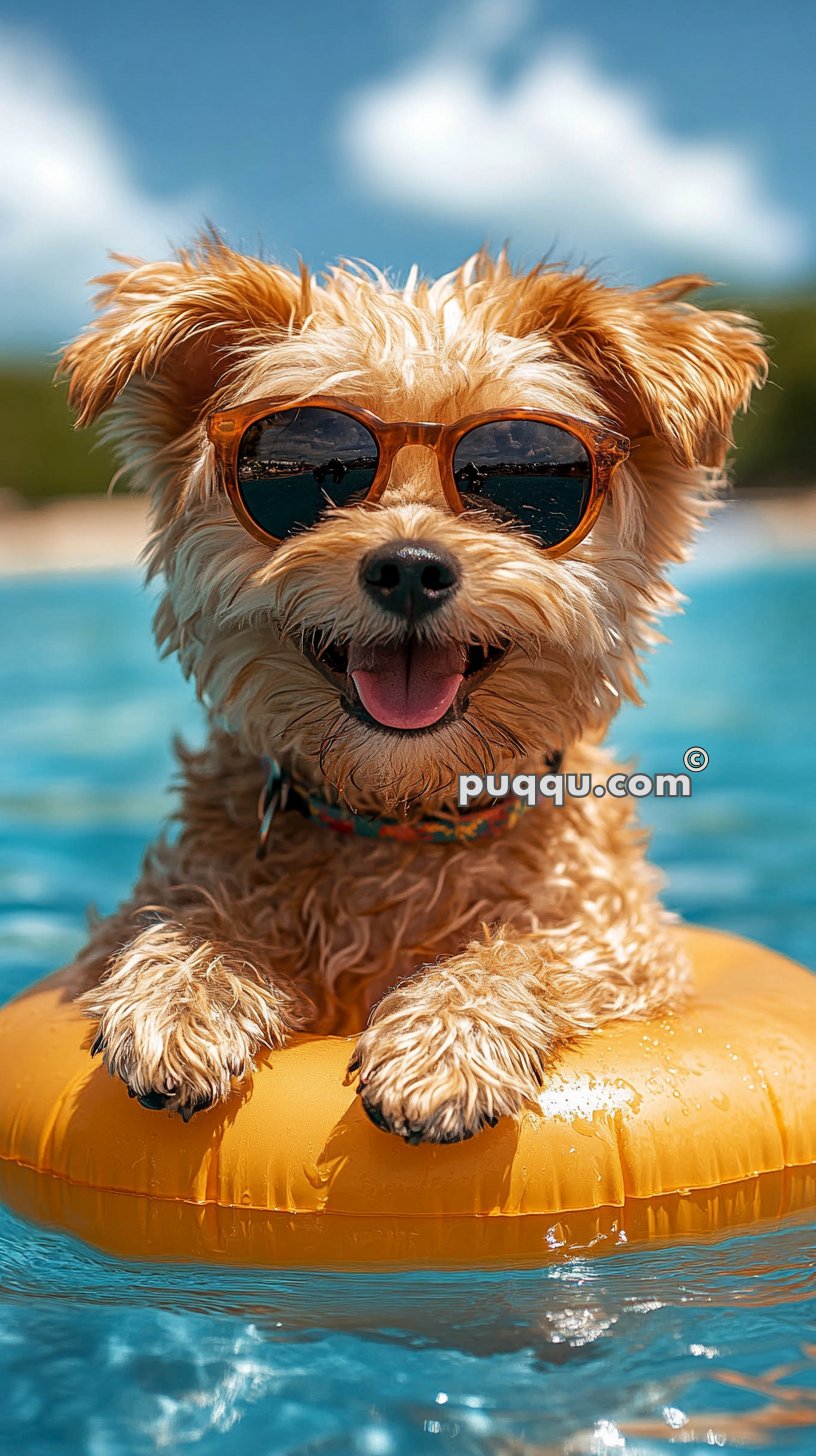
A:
x,y
100,533
92,533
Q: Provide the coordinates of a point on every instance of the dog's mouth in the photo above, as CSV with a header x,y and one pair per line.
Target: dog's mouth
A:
x,y
406,686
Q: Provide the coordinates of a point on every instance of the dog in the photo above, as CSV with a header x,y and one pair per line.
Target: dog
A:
x,y
371,600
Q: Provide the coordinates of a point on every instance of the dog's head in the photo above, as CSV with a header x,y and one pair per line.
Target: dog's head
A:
x,y
496,654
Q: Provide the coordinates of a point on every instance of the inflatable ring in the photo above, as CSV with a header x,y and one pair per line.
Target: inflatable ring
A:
x,y
703,1119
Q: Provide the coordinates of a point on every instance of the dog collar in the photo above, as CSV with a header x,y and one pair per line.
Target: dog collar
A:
x,y
459,825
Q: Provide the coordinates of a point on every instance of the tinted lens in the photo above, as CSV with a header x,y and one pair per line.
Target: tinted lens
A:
x,y
537,475
296,464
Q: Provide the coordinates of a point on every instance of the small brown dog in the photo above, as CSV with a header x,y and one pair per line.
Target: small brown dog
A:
x,y
369,610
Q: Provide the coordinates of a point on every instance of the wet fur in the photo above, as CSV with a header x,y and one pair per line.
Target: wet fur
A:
x,y
471,963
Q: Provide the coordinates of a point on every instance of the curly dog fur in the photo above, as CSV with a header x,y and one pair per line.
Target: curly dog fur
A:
x,y
472,963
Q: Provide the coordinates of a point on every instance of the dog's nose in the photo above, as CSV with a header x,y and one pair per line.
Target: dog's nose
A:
x,y
410,578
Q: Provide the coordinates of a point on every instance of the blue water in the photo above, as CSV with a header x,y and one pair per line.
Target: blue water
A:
x,y
708,1343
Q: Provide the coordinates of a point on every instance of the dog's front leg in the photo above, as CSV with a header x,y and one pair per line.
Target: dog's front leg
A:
x,y
181,1015
468,1041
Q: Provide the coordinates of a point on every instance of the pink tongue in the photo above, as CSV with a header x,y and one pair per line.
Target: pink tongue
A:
x,y
410,686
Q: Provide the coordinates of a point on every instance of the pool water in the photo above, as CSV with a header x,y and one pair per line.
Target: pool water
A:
x,y
705,1343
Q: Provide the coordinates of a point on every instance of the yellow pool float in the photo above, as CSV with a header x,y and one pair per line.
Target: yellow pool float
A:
x,y
703,1119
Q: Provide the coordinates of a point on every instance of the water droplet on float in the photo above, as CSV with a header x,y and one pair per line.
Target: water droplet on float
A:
x,y
317,1176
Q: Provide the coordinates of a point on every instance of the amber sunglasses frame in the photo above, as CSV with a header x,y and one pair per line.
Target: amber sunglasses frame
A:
x,y
226,429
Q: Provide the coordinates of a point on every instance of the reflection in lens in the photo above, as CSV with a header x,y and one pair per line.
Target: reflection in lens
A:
x,y
526,472
296,464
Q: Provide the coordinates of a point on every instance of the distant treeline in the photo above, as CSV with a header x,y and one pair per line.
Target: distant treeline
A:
x,y
41,455
776,441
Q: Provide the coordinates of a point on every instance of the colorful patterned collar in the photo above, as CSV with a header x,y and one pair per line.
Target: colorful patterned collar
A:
x,y
459,825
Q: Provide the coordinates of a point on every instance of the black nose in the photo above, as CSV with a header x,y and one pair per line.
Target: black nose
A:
x,y
410,578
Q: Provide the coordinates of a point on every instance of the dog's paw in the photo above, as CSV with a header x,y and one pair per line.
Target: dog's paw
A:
x,y
174,1067
439,1073
179,1021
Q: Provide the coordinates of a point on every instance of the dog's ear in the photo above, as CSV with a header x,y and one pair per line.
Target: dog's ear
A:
x,y
176,327
664,367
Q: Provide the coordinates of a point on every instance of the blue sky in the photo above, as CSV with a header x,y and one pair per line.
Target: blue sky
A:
x,y
642,138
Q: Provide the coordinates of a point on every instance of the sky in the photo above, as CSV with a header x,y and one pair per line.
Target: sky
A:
x,y
641,138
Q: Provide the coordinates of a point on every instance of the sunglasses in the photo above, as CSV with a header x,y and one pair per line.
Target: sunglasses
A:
x,y
284,465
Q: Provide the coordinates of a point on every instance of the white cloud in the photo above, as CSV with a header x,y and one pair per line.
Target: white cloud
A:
x,y
66,195
562,155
